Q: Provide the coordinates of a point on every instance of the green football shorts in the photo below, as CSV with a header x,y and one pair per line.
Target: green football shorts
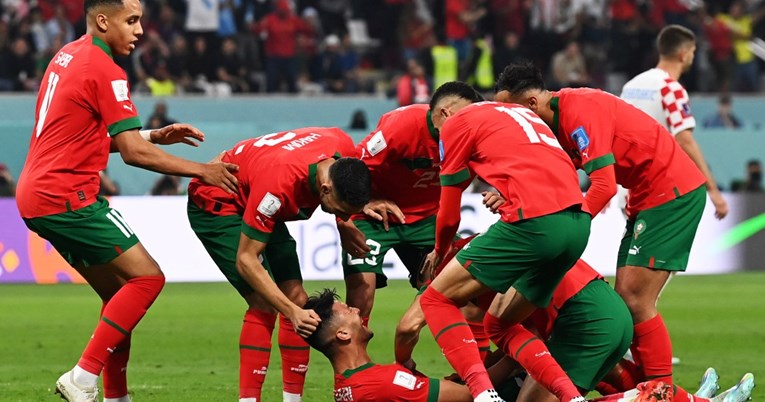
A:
x,y
592,332
531,255
220,237
412,243
93,235
661,237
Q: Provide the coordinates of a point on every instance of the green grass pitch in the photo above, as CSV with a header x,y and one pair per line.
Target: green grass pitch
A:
x,y
185,349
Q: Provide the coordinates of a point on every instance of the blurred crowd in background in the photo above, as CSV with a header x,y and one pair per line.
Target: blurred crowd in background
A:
x,y
401,48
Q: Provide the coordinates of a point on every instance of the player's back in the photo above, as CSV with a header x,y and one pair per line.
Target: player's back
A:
x,y
514,151
282,157
648,160
402,155
70,139
662,97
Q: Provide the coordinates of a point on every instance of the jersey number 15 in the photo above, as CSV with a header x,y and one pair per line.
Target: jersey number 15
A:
x,y
524,117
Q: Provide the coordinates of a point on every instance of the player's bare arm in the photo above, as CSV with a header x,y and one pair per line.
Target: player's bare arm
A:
x,y
352,239
408,333
136,151
249,266
691,147
379,210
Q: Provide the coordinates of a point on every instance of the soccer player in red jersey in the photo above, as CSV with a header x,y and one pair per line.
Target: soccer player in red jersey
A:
x,y
614,142
343,338
541,233
283,177
83,112
402,156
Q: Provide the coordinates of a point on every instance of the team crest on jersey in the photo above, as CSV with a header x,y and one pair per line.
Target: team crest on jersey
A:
x,y
269,205
120,88
404,379
580,138
376,144
640,227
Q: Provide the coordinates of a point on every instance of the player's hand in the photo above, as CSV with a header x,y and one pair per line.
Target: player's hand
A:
x,y
432,261
492,200
352,239
379,210
454,377
304,321
721,206
177,132
410,365
221,174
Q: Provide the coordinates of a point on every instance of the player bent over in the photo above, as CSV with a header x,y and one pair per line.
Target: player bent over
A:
x,y
622,145
541,233
83,112
282,177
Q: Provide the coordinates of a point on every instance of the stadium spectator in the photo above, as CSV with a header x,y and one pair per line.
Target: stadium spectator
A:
x,y
720,42
478,70
159,113
20,68
746,72
507,52
147,58
413,87
280,30
416,29
231,68
753,182
7,183
40,35
227,24
724,117
167,185
309,45
333,14
203,19
178,65
461,17
59,25
569,68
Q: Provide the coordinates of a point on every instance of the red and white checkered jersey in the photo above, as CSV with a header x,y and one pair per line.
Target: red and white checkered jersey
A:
x,y
663,98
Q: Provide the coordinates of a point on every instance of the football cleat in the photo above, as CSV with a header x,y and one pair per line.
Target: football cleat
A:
x,y
489,395
73,392
708,386
741,392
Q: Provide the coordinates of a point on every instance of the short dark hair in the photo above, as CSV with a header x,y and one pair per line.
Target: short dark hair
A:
x,y
672,38
518,78
91,4
455,88
321,303
352,181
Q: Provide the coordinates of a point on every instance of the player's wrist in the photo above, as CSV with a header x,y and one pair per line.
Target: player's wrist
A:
x,y
146,135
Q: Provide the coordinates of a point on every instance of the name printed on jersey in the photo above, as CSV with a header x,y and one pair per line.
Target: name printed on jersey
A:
x,y
404,379
269,205
376,144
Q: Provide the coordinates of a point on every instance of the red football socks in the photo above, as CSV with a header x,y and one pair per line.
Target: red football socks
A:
x,y
115,368
652,350
295,353
121,314
254,351
481,339
520,344
455,339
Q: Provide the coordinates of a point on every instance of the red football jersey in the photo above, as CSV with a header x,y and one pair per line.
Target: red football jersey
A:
x,y
402,156
647,160
84,98
514,151
277,178
390,382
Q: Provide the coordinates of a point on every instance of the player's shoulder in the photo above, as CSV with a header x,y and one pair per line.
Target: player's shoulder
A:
x,y
405,116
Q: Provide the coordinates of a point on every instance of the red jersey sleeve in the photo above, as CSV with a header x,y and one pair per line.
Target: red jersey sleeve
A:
x,y
267,204
111,98
589,135
456,147
377,148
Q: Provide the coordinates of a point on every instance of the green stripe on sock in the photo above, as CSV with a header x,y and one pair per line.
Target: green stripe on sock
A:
x,y
117,327
517,352
448,327
250,347
294,347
